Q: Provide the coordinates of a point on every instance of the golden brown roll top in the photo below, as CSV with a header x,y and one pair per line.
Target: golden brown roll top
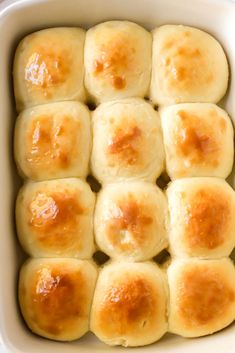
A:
x,y
130,221
198,139
188,65
117,61
55,297
57,141
129,306
49,67
127,141
55,218
202,296
202,219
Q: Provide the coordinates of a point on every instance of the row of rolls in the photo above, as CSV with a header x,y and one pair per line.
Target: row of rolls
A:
x,y
126,144
131,220
130,300
119,59
123,140
130,303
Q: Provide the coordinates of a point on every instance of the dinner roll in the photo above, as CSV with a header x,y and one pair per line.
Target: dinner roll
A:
x,y
56,141
129,306
127,141
202,221
188,65
49,67
198,139
202,296
55,218
55,297
117,61
130,220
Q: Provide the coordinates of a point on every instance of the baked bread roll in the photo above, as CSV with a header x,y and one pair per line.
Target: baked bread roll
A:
x,y
117,61
202,296
57,141
127,141
198,139
48,67
188,65
202,221
129,305
55,218
55,297
130,221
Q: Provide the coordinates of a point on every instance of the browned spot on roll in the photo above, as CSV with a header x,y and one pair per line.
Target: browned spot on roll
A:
x,y
116,61
126,304
52,142
129,224
57,299
47,67
196,141
124,144
207,220
54,216
188,68
203,296
118,82
98,67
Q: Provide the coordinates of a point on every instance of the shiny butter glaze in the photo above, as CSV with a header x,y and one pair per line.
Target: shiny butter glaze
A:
x,y
52,142
55,218
47,67
57,299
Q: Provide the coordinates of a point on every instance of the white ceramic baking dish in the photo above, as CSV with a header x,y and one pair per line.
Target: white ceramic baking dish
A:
x,y
16,20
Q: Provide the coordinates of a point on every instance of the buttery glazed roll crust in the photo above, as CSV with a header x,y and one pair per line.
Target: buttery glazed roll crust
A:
x,y
188,65
202,219
198,139
57,141
130,221
202,296
55,297
117,61
127,141
129,306
48,67
55,218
